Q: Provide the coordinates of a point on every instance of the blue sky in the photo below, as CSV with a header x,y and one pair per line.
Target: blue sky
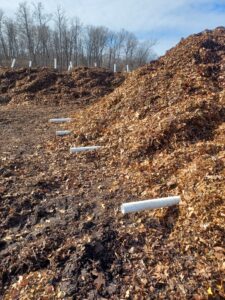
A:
x,y
166,21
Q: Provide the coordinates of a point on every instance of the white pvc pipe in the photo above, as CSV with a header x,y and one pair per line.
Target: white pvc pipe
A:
x,y
63,132
30,63
55,63
149,204
95,64
13,63
80,149
60,120
70,66
114,67
128,69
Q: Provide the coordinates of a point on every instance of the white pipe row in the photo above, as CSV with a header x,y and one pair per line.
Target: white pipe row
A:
x,y
80,149
60,120
62,132
149,204
70,67
125,207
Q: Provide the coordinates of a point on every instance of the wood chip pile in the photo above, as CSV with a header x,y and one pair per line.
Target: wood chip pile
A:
x,y
163,134
45,86
164,130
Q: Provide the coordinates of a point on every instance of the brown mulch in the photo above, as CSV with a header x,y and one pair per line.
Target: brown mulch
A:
x,y
44,86
163,133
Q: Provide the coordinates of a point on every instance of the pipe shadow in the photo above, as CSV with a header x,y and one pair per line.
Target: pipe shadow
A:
x,y
169,220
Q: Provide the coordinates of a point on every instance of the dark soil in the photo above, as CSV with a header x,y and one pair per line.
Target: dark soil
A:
x,y
56,210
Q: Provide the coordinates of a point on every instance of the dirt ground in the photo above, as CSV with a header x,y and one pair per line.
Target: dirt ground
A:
x,y
23,127
54,228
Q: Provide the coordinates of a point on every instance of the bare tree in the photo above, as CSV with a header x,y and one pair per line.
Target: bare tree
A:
x,y
11,38
96,42
130,45
75,41
26,28
144,53
2,40
43,33
60,29
32,36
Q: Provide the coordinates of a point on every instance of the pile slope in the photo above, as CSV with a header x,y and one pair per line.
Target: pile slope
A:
x,y
62,234
45,86
164,130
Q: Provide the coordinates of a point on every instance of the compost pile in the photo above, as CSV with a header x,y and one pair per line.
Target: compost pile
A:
x,y
162,133
44,86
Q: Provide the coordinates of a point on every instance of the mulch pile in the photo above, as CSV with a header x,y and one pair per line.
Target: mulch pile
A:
x,y
165,130
45,86
162,133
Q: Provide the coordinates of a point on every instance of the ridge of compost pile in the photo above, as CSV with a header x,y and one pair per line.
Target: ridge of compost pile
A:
x,y
162,132
45,86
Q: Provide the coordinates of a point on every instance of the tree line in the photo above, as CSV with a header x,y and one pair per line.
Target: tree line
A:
x,y
40,37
